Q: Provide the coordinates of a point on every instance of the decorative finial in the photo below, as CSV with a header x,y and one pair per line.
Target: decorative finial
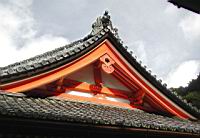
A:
x,y
104,22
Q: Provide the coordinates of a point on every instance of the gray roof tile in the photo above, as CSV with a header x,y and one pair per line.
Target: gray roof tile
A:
x,y
18,105
54,58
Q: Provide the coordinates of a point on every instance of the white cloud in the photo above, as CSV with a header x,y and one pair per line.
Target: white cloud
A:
x,y
171,10
42,44
190,26
139,50
184,73
18,33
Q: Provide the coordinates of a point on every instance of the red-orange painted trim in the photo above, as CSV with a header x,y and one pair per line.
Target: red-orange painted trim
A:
x,y
154,104
50,76
135,78
104,48
94,100
86,87
97,74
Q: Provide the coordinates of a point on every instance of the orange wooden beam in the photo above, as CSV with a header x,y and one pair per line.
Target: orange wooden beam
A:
x,y
104,48
97,73
96,99
86,87
155,105
47,77
126,81
93,100
146,86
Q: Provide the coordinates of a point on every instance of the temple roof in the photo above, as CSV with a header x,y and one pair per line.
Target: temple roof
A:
x,y
59,110
102,29
192,5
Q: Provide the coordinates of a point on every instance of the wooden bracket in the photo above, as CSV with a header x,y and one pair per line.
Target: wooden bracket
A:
x,y
60,83
97,73
95,88
137,99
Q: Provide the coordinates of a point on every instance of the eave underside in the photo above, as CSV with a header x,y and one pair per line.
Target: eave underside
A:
x,y
192,5
84,47
130,75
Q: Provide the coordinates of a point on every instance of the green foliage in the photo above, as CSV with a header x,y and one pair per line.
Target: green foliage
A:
x,y
191,93
194,98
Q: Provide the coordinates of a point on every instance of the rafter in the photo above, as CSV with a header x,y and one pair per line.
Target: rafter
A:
x,y
86,87
126,71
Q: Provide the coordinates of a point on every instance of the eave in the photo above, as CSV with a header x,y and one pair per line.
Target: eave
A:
x,y
42,115
24,127
28,70
38,80
192,5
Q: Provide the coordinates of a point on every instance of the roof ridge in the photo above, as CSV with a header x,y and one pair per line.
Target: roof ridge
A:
x,y
103,22
100,24
100,28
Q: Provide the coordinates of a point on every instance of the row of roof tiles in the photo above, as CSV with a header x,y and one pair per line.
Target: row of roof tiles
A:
x,y
69,51
64,53
51,56
20,106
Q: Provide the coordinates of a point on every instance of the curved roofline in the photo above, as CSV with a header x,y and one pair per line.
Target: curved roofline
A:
x,y
60,56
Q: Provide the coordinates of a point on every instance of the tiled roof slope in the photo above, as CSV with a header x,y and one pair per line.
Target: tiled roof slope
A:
x,y
48,60
102,29
52,109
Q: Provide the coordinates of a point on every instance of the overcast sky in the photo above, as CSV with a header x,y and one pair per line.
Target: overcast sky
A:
x,y
163,37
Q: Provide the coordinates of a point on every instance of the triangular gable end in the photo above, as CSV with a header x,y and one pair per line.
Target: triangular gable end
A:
x,y
99,51
111,62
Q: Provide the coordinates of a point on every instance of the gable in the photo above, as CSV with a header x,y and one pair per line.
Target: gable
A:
x,y
111,81
84,74
115,68
65,72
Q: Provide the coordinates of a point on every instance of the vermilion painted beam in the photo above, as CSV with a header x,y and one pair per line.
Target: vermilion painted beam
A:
x,y
154,104
97,73
146,86
126,81
47,77
94,100
137,96
104,48
86,87
109,67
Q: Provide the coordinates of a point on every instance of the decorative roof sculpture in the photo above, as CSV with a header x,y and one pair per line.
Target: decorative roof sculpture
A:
x,y
120,90
102,23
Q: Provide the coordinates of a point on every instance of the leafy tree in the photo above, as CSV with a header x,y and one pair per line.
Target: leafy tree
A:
x,y
192,92
194,98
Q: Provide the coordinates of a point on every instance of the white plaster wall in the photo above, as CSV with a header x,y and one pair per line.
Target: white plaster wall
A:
x,y
115,99
84,75
110,81
77,93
